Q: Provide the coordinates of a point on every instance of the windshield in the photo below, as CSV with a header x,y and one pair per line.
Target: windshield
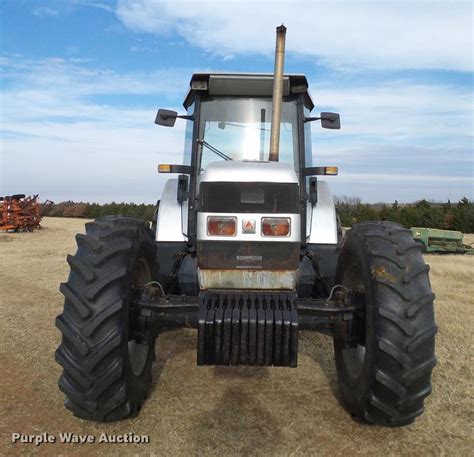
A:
x,y
239,129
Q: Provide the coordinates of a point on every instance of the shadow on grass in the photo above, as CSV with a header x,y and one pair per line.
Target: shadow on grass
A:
x,y
237,424
319,348
241,372
170,345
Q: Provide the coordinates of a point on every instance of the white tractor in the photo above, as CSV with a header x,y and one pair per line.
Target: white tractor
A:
x,y
247,248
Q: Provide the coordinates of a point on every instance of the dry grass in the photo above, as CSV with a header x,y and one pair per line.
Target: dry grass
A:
x,y
220,411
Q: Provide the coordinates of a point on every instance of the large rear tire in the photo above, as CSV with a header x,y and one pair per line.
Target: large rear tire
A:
x,y
107,372
385,378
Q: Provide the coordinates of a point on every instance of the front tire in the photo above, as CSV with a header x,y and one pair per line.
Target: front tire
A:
x,y
385,377
106,371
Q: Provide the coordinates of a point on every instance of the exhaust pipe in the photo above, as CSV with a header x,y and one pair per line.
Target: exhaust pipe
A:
x,y
277,93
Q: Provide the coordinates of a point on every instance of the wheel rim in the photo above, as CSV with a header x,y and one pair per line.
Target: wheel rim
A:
x,y
354,357
138,352
354,360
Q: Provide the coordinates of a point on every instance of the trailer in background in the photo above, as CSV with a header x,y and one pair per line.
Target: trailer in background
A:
x,y
441,241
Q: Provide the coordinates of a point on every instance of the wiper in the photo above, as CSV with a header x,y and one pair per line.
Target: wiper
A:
x,y
214,150
223,124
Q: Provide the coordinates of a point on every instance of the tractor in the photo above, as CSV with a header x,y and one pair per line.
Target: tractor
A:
x,y
247,248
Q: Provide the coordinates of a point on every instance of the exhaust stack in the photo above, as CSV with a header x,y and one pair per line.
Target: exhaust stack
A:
x,y
277,93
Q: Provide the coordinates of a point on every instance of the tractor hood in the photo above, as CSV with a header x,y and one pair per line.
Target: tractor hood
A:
x,y
249,171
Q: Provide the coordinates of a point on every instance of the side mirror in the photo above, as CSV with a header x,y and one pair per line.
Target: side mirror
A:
x,y
183,181
166,117
313,190
330,121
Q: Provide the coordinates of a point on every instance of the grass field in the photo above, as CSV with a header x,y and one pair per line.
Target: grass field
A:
x,y
220,411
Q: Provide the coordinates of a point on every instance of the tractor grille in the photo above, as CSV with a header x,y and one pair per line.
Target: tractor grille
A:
x,y
249,197
247,329
275,255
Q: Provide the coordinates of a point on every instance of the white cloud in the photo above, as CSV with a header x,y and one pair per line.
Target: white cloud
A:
x,y
61,139
385,34
98,5
376,178
400,110
44,11
387,188
77,79
60,142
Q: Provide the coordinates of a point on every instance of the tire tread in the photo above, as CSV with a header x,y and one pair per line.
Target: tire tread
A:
x,y
405,327
94,378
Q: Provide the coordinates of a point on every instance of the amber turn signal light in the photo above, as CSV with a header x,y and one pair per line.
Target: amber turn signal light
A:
x,y
164,168
332,171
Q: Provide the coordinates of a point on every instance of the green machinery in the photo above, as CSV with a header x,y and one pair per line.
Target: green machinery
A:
x,y
438,241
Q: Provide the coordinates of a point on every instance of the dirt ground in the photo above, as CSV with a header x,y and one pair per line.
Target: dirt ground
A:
x,y
219,411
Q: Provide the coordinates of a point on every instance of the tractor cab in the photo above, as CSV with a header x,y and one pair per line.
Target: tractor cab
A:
x,y
229,134
235,115
231,118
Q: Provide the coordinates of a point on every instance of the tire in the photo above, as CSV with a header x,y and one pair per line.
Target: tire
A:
x,y
339,230
423,246
106,374
385,379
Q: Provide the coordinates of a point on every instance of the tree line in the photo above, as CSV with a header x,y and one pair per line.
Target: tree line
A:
x,y
95,210
450,216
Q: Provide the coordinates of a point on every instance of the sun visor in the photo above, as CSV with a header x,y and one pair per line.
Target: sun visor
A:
x,y
242,85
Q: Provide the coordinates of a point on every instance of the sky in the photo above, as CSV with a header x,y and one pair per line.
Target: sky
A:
x,y
81,81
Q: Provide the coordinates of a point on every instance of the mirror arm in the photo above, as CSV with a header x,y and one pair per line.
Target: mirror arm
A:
x,y
311,119
189,117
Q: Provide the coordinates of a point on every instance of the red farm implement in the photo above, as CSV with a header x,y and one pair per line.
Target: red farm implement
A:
x,y
20,214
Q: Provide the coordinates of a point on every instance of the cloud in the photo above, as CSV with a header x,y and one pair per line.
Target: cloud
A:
x,y
70,131
376,35
385,171
98,5
398,128
64,7
60,141
373,187
77,78
44,11
408,112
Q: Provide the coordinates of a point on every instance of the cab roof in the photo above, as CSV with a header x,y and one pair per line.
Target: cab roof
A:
x,y
246,84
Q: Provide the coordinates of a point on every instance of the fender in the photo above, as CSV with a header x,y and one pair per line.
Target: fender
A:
x,y
321,227
169,226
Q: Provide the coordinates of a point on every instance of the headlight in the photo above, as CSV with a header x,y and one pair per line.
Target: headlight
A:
x,y
221,226
275,226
